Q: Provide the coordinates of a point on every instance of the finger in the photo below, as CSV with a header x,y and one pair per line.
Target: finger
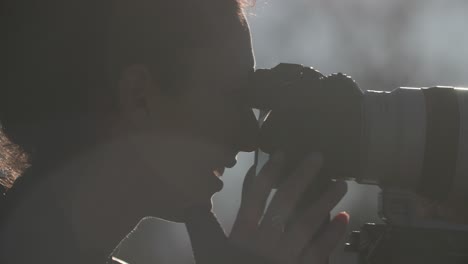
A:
x,y
293,187
285,199
248,182
263,184
255,198
305,227
323,246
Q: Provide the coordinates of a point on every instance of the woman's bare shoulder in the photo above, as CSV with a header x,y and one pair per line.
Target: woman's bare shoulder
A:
x,y
155,240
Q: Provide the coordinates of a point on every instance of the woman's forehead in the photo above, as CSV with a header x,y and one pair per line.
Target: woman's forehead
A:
x,y
204,8
198,24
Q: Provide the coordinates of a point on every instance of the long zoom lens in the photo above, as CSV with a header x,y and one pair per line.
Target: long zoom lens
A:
x,y
416,138
411,138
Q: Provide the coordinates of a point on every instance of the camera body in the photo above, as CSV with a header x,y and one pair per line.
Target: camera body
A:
x,y
412,142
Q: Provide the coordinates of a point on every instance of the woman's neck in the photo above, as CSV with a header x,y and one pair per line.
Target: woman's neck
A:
x,y
102,204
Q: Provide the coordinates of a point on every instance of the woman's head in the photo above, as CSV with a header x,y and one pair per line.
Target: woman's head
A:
x,y
174,69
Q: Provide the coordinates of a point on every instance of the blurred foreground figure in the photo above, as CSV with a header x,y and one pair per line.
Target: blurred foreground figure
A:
x,y
116,110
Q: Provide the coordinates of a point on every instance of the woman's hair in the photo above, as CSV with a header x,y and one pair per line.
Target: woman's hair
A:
x,y
63,58
12,162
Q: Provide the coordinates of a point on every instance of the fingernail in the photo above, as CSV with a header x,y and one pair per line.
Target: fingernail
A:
x,y
343,217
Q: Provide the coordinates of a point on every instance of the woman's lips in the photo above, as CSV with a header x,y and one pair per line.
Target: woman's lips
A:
x,y
218,172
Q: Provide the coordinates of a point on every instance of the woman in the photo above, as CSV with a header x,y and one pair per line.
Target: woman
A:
x,y
132,109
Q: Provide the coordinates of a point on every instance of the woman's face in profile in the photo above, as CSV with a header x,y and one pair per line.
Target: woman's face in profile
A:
x,y
197,133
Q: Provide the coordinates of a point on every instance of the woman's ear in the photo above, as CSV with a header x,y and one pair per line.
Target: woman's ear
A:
x,y
138,92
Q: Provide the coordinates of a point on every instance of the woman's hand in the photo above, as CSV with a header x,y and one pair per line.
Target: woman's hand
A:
x,y
304,240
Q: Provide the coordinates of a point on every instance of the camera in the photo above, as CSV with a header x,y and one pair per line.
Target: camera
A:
x,y
411,142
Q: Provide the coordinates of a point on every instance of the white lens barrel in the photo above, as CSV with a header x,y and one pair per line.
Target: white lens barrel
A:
x,y
394,135
395,138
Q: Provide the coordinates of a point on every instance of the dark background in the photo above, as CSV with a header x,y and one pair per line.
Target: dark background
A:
x,y
382,44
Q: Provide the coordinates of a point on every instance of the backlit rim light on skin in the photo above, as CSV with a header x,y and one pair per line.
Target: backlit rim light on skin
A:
x,y
119,260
